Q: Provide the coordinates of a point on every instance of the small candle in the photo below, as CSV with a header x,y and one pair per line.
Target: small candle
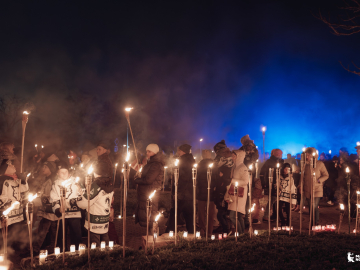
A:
x,y
72,248
2,257
256,232
236,234
185,234
42,256
155,235
225,235
354,231
57,251
197,234
213,237
287,228
323,228
102,244
111,244
274,229
279,229
93,245
220,236
82,249
283,228
171,234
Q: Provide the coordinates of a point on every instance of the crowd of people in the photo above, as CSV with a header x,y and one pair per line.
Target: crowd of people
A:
x,y
47,170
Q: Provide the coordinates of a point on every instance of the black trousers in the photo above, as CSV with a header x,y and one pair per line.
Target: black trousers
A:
x,y
98,238
73,228
186,209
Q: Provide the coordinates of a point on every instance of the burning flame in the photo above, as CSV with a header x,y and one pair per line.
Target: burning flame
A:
x,y
127,156
26,112
250,167
303,149
313,154
140,169
252,207
342,206
236,184
77,179
277,165
81,165
347,170
32,197
66,183
358,192
35,145
330,152
116,165
28,174
176,162
90,170
42,146
152,194
165,167
157,217
210,165
122,170
128,109
195,165
201,140
358,143
7,211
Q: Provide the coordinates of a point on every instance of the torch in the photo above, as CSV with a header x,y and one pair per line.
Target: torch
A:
x,y
342,210
127,111
29,216
25,119
348,181
88,185
312,199
357,210
290,183
271,176
252,208
208,199
62,205
126,176
164,178
303,163
236,206
194,174
176,178
277,193
4,225
155,231
148,207
263,132
115,172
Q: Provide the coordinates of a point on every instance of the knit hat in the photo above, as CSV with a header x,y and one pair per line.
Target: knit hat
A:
x,y
61,165
206,154
51,165
185,148
104,145
220,145
3,166
153,148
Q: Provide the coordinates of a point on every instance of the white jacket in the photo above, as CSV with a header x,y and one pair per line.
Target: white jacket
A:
x,y
72,192
100,204
12,191
240,174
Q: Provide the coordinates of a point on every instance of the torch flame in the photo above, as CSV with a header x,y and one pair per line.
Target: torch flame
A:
x,y
127,156
313,154
42,146
157,217
358,143
81,165
263,129
236,184
358,192
303,149
140,169
128,109
342,206
176,162
347,170
330,152
252,207
152,194
277,165
195,165
116,165
77,179
90,170
32,197
250,167
165,167
7,211
66,183
210,165
26,112
35,145
28,174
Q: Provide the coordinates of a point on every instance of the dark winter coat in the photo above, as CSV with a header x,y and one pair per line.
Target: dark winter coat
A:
x,y
333,174
264,173
105,162
185,184
252,154
202,183
221,182
151,179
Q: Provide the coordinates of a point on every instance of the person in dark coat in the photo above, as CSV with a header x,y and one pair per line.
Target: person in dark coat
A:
x,y
102,151
150,179
202,193
330,184
185,189
276,157
252,154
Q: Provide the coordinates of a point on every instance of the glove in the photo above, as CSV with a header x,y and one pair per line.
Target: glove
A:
x,y
58,213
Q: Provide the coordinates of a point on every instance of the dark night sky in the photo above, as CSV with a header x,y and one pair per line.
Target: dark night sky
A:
x,y
211,69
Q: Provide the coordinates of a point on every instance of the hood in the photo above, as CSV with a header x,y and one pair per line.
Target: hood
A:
x,y
159,157
240,156
312,150
105,183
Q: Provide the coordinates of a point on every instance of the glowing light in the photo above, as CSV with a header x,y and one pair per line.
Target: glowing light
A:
x,y
72,248
77,179
157,217
66,183
57,251
7,211
111,244
128,109
81,165
176,162
171,234
277,165
185,234
42,146
102,244
152,195
347,170
195,165
256,232
210,165
213,237
35,145
90,170
342,207
330,152
127,156
252,207
26,112
197,235
140,169
236,184
250,167
358,143
201,140
358,192
124,145
313,154
28,175
116,165
32,197
82,249
263,129
93,245
303,149
165,167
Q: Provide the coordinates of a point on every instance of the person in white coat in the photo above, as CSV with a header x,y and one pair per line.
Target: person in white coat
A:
x,y
241,176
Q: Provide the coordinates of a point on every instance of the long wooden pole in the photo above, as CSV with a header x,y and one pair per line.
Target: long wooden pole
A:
x,y
126,175
290,201
176,177
194,174
88,183
277,194
236,206
271,175
250,214
302,164
25,119
208,200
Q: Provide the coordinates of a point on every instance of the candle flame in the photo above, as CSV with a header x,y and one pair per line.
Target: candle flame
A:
x,y
252,207
152,194
157,217
256,232
122,170
91,169
7,211
128,109
210,165
127,156
32,197
176,162
314,173
26,112
342,206
140,169
347,170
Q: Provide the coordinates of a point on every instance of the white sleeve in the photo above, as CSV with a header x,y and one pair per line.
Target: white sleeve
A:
x,y
55,196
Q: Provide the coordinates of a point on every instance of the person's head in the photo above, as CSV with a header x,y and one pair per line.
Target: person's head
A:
x,y
102,149
152,150
183,149
277,153
62,170
285,168
6,167
310,152
7,147
233,155
322,156
48,168
219,146
85,158
335,159
206,154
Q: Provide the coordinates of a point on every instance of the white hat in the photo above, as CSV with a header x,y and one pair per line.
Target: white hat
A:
x,y
153,148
